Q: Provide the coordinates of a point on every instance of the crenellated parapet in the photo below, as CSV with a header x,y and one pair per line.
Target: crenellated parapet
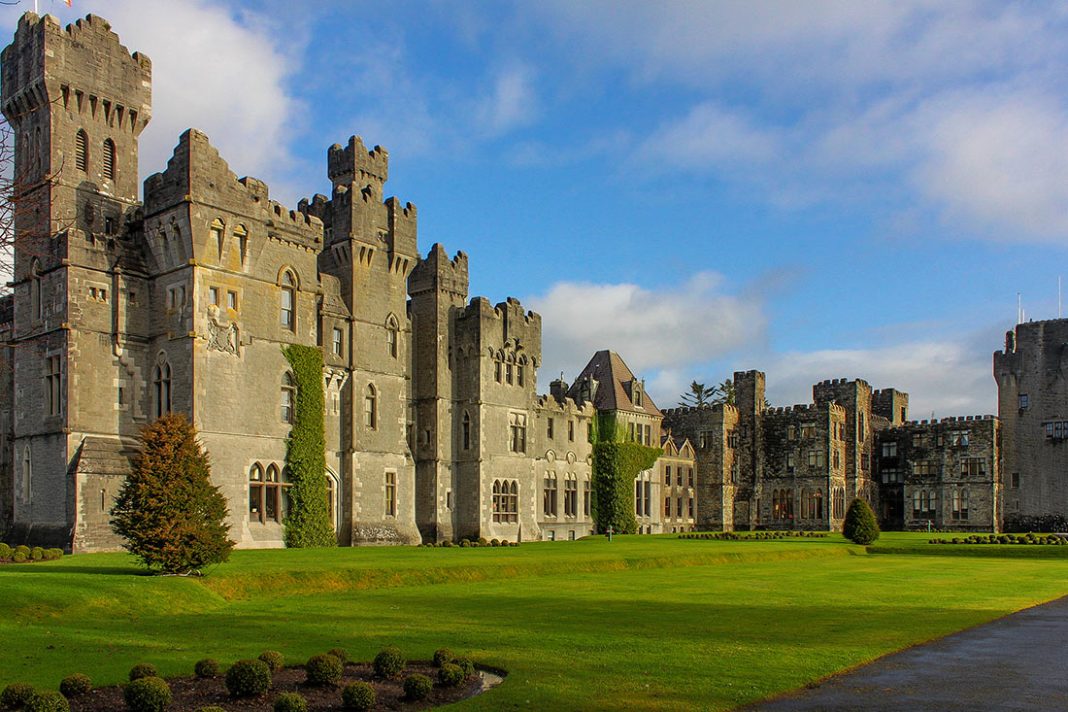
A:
x,y
353,163
438,272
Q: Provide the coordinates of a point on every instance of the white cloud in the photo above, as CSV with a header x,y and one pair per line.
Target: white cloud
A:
x,y
651,330
512,102
711,135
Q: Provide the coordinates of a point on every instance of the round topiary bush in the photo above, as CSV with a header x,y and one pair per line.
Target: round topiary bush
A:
x,y
75,685
5,552
22,549
358,697
37,553
16,695
417,687
19,557
390,662
860,526
324,670
339,653
147,694
274,659
248,678
290,702
206,668
442,656
47,702
466,665
143,670
450,675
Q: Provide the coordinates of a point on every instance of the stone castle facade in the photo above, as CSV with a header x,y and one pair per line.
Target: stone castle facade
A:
x,y
123,309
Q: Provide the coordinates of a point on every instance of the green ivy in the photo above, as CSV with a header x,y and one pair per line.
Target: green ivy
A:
x,y
308,522
615,465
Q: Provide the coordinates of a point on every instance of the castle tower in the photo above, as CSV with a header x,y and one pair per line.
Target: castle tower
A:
x,y
370,246
856,397
77,101
445,430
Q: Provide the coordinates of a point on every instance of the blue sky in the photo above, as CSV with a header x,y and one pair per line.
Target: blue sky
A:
x,y
816,190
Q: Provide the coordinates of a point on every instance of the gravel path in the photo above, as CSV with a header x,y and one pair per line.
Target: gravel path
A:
x,y
1019,662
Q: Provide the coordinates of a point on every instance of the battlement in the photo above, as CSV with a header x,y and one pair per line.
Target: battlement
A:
x,y
843,382
294,218
950,420
550,405
354,161
703,408
437,271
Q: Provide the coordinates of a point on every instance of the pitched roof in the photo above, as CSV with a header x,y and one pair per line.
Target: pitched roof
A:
x,y
616,383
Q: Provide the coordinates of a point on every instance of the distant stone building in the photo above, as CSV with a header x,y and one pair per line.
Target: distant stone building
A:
x,y
799,467
1032,377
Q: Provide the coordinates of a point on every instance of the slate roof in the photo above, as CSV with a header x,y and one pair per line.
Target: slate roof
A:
x,y
613,375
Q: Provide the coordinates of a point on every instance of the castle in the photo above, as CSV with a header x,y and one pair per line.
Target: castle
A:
x,y
122,310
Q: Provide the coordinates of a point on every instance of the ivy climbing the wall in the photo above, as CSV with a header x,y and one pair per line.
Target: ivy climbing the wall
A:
x,y
616,463
308,522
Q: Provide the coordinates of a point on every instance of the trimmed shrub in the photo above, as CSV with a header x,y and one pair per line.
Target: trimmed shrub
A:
x,y
324,670
390,662
53,554
206,668
358,697
860,526
339,653
168,512
17,695
143,670
5,552
75,685
274,659
417,687
466,665
147,694
37,553
290,702
19,557
49,701
450,675
248,678
23,549
442,656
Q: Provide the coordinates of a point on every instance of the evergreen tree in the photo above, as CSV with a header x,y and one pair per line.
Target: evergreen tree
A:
x,y
169,513
860,526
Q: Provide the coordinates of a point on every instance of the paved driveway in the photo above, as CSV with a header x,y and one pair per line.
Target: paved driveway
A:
x,y
1019,662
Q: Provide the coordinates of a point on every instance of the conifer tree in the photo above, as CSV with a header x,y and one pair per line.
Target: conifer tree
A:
x,y
168,511
860,526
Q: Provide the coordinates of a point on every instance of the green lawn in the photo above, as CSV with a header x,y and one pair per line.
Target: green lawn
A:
x,y
641,623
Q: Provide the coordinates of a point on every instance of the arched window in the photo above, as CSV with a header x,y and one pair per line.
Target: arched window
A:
x,y
497,509
241,235
570,496
331,498
108,158
964,503
161,379
217,228
289,393
586,496
392,332
513,502
776,505
498,364
817,504
508,370
255,493
81,151
519,369
36,303
370,407
268,494
467,431
289,301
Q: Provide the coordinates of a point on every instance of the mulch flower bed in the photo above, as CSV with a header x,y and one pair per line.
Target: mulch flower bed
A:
x,y
191,693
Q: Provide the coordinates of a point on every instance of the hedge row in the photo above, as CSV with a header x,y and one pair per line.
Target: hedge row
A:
x,y
481,541
734,536
23,554
1029,538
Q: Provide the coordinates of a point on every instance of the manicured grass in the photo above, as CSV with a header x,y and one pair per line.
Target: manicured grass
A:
x,y
641,623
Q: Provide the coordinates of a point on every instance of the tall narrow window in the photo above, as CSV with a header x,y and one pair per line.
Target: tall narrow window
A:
x,y
81,151
517,426
161,379
338,336
255,493
36,302
586,497
549,502
289,301
392,329
570,496
289,392
54,385
370,407
216,231
331,500
241,235
519,369
391,494
108,158
27,475
467,431
497,366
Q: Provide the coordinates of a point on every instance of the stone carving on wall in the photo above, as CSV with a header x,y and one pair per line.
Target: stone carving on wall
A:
x,y
222,337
